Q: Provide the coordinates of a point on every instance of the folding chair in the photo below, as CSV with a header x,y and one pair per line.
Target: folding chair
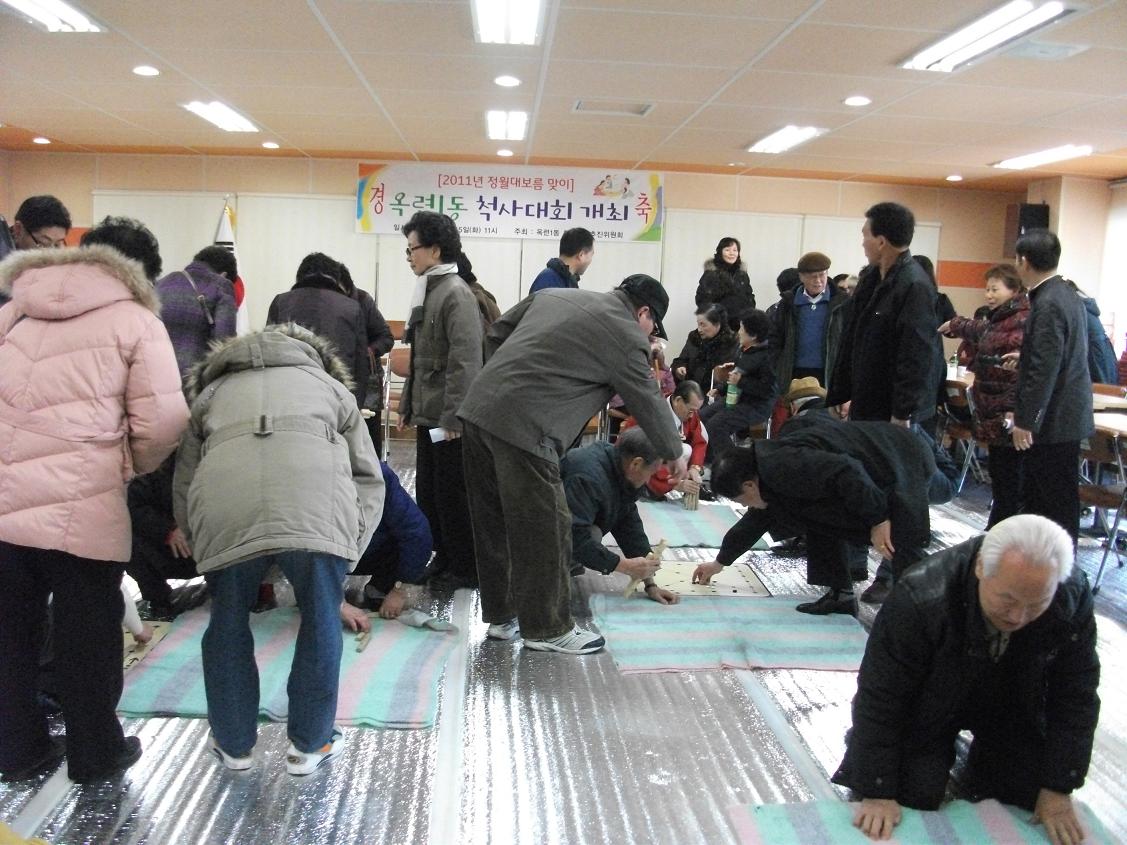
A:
x,y
1103,450
398,365
958,411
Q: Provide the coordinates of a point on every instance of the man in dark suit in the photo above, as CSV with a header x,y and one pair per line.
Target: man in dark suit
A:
x,y
1054,388
841,484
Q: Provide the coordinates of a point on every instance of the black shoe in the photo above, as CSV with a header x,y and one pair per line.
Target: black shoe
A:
x,y
706,494
877,592
830,603
52,754
156,611
448,582
791,546
129,754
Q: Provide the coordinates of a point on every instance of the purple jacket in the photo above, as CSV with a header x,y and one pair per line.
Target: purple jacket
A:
x,y
192,324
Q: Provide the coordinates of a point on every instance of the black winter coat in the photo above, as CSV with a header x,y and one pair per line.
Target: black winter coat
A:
x,y
927,666
325,310
838,479
1054,389
885,364
785,334
727,287
700,356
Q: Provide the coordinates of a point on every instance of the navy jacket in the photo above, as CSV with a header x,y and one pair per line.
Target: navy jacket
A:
x,y
405,525
599,496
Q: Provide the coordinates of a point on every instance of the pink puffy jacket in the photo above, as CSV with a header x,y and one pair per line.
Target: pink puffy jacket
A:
x,y
90,394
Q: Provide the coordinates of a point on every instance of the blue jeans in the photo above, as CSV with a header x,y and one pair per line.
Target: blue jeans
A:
x,y
230,673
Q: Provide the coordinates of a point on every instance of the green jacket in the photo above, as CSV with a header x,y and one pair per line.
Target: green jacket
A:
x,y
276,456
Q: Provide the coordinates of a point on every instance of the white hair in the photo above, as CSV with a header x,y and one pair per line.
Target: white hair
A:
x,y
1039,541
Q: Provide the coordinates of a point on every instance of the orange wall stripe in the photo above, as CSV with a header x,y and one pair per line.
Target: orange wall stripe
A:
x,y
962,274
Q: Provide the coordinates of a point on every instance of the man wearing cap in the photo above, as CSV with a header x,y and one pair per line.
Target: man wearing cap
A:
x,y
553,361
808,323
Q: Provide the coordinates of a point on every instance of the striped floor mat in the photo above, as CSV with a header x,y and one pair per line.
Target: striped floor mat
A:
x,y
392,683
703,528
957,823
715,632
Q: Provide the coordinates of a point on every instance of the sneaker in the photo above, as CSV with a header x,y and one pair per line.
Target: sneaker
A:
x,y
831,602
876,592
129,754
237,764
575,641
504,630
305,763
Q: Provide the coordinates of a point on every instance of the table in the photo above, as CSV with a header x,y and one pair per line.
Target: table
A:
x,y
1114,424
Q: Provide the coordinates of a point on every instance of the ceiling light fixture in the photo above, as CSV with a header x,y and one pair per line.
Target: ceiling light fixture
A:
x,y
504,153
270,145
222,115
146,70
41,140
857,101
1044,157
507,81
506,125
1001,26
54,15
785,138
506,21
954,177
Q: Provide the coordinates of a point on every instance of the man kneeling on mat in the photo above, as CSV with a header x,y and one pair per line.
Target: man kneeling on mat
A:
x,y
602,483
864,482
996,636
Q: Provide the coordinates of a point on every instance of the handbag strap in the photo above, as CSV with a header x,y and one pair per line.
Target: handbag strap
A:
x,y
200,298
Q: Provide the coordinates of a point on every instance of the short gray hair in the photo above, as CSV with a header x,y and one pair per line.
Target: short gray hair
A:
x,y
1039,541
632,444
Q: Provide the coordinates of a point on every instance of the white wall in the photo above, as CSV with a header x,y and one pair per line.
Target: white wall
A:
x,y
1113,293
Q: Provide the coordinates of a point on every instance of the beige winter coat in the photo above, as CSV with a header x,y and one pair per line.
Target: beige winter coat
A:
x,y
90,394
276,456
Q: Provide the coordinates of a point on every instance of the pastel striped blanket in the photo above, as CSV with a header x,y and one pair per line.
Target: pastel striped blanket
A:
x,y
392,683
957,823
707,632
703,528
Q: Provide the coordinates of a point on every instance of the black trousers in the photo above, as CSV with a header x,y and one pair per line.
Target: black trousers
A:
x,y
382,564
834,563
440,490
1049,484
1005,464
87,611
152,564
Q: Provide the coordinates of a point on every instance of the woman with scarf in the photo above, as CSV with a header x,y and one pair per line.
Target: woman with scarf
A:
x,y
725,282
444,331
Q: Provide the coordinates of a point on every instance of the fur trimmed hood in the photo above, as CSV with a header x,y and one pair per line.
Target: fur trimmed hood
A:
x,y
39,279
283,345
710,267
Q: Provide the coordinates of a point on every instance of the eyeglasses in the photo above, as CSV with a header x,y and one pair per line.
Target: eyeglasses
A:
x,y
45,242
411,249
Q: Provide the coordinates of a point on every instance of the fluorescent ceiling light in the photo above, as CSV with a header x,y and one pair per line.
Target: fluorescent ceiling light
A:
x,y
504,153
506,21
507,81
222,115
506,125
54,15
785,138
146,70
270,145
954,177
999,27
1044,157
857,100
41,140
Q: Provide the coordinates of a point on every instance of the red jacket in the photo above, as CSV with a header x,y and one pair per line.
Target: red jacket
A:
x,y
693,433
995,389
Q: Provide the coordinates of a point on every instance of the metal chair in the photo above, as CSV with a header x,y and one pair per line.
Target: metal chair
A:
x,y
399,366
958,411
1103,449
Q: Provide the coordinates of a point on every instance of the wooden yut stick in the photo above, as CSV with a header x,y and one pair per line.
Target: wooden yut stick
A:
x,y
655,554
690,501
362,640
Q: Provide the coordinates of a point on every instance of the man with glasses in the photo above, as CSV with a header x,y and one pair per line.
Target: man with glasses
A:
x,y
41,223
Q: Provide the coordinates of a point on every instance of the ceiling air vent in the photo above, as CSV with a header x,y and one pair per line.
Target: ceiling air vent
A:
x,y
612,108
1046,52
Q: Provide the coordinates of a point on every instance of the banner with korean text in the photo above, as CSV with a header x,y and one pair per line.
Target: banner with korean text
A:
x,y
513,202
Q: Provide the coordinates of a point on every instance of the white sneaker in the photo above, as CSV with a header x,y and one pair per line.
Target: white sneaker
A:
x,y
305,763
504,630
237,764
575,641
